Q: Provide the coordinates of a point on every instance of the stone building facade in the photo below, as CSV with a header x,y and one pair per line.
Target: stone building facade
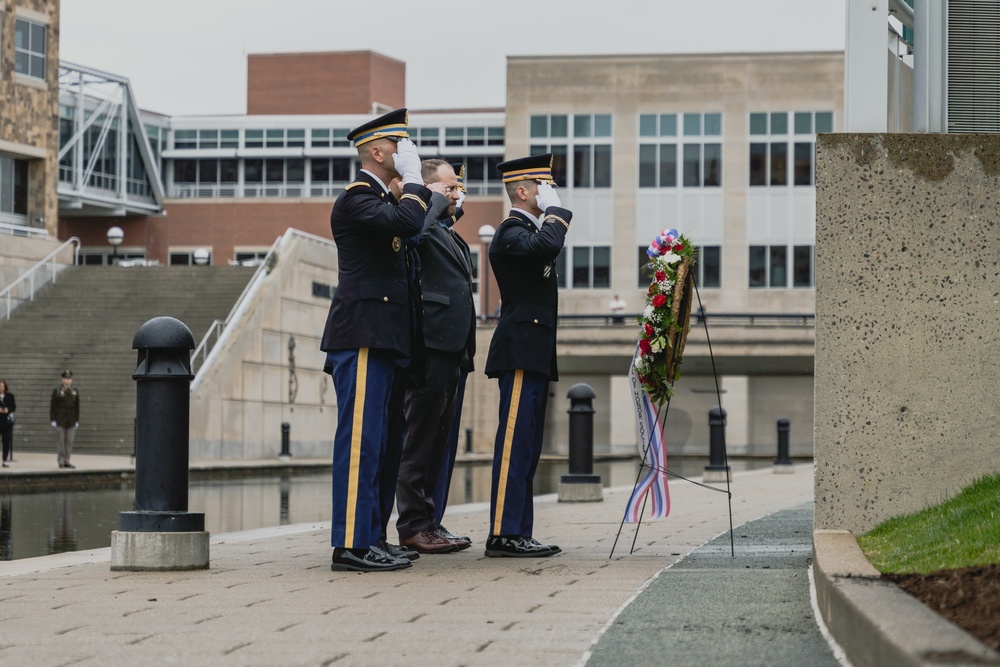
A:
x,y
29,115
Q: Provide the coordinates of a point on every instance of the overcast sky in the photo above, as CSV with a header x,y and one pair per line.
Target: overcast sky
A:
x,y
189,56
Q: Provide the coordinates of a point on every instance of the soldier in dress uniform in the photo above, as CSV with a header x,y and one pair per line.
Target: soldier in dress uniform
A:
x,y
64,413
367,333
522,352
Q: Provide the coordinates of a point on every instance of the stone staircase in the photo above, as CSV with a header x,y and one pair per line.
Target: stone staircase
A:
x,y
85,322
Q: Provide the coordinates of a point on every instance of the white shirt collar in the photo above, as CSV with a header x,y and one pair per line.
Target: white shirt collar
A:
x,y
529,216
384,186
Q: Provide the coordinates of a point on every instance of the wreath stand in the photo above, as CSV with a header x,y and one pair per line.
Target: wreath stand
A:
x,y
681,306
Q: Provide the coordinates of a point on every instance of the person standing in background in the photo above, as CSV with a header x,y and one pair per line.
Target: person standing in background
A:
x,y
64,412
7,408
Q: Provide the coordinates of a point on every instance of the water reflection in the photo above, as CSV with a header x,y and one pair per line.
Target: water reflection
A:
x,y
38,524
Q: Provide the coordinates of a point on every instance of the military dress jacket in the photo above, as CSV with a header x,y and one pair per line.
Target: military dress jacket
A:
x,y
449,321
64,407
371,306
523,259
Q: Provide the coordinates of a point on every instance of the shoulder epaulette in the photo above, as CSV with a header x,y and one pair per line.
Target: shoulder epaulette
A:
x,y
356,184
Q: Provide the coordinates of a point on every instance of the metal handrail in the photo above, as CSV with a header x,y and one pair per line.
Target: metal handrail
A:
x,y
717,319
14,229
221,328
29,275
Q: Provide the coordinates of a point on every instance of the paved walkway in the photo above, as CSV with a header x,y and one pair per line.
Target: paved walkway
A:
x,y
270,598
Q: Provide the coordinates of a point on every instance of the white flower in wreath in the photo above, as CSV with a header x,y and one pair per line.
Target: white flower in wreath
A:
x,y
671,258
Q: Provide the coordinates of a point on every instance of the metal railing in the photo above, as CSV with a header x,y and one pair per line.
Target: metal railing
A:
x,y
14,229
27,280
712,319
207,348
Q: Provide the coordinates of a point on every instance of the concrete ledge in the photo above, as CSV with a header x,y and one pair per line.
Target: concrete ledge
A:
x,y
580,493
877,623
157,552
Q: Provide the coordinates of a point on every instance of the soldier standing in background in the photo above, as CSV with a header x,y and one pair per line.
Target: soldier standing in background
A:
x,y
64,412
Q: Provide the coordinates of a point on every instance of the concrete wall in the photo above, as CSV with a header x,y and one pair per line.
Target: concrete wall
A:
x,y
238,409
907,314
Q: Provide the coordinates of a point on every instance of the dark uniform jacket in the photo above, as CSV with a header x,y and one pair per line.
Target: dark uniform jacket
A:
x,y
446,282
524,263
371,306
64,408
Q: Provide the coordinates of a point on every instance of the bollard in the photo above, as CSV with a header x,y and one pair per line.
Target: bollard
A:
x,y
716,470
783,464
581,484
468,440
286,453
160,534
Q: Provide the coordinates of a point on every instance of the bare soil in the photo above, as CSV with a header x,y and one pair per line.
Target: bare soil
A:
x,y
968,597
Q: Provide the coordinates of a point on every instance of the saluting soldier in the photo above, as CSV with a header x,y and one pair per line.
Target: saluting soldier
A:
x,y
64,413
367,334
522,353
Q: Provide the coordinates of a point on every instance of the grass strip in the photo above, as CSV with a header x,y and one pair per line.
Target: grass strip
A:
x,y
961,532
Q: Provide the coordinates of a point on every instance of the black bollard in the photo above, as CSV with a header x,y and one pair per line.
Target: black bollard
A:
x,y
581,448
716,470
783,463
286,452
163,377
162,415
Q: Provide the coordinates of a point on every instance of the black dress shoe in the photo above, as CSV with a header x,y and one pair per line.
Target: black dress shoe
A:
x,y
397,551
554,548
515,547
374,560
446,534
70,465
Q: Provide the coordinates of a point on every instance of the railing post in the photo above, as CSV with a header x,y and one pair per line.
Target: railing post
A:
x,y
581,484
716,470
160,534
783,464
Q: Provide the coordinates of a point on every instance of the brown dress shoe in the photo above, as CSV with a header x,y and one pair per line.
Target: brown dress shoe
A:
x,y
460,542
426,542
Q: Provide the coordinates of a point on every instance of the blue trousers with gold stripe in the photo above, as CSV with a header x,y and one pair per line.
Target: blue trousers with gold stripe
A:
x,y
363,380
523,397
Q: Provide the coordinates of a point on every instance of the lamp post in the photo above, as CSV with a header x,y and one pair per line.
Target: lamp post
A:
x,y
486,233
115,237
201,256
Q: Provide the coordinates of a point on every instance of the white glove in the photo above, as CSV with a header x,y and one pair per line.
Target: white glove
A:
x,y
76,425
461,199
407,162
53,424
547,196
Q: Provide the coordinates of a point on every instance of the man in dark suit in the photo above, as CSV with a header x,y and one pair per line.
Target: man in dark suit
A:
x,y
449,328
367,335
523,349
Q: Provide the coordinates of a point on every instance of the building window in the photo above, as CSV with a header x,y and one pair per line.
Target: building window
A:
x,y
707,268
481,175
29,48
692,138
180,258
783,146
586,155
768,266
591,266
13,186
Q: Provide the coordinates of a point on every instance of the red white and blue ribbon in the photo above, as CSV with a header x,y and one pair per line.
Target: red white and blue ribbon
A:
x,y
662,243
653,449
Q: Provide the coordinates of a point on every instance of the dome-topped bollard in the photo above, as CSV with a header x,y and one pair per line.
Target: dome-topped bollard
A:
x,y
161,534
581,484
